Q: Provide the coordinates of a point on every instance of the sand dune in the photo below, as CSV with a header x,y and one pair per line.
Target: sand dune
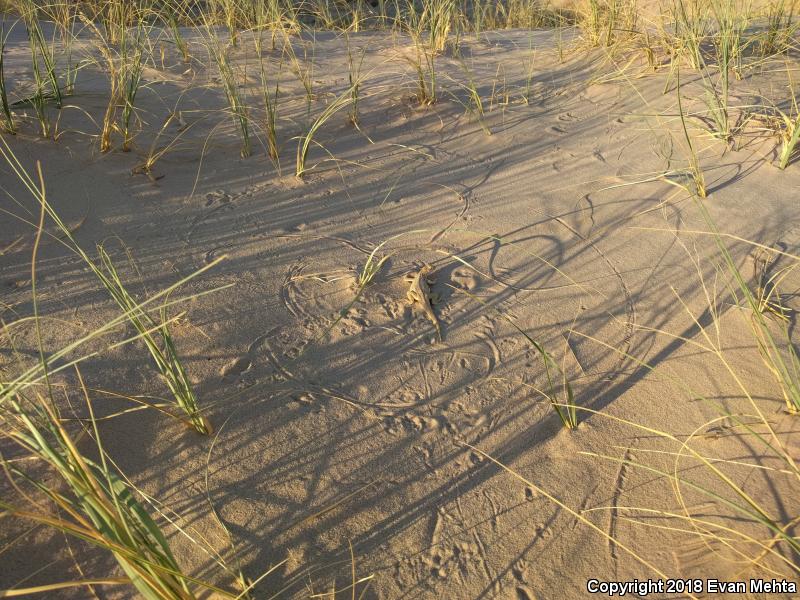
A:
x,y
561,207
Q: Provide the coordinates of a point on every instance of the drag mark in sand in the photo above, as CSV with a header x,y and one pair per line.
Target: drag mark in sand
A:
x,y
630,320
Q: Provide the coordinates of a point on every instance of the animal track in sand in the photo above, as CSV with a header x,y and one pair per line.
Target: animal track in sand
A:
x,y
218,196
459,559
487,337
354,322
218,201
260,347
404,397
524,593
236,367
581,217
519,569
465,279
240,365
292,296
411,422
213,254
392,308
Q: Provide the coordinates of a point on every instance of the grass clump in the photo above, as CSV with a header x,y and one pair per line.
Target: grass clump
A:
x,y
302,69
781,27
354,76
474,103
789,128
171,19
270,99
689,31
133,51
46,83
154,333
8,119
94,503
790,135
777,351
438,17
230,83
423,60
695,170
157,337
606,22
529,74
124,54
305,141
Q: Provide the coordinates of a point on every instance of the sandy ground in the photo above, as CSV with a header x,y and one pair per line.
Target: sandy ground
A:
x,y
361,435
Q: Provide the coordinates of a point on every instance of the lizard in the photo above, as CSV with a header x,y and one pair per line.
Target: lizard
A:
x,y
420,292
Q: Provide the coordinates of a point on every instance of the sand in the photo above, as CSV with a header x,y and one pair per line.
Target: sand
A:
x,y
370,435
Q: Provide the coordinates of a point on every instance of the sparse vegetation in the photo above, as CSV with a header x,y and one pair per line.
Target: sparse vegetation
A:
x,y
305,141
237,106
8,119
270,101
339,434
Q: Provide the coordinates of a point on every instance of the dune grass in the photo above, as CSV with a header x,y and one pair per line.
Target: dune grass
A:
x,y
423,61
154,333
782,26
354,65
133,49
46,84
81,497
307,140
712,36
8,119
237,105
94,505
474,103
606,22
695,169
156,336
270,98
171,19
124,53
789,130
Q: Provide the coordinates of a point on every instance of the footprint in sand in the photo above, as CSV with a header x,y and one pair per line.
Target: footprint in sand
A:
x,y
393,309
242,364
519,570
354,322
437,562
220,197
235,368
465,279
524,593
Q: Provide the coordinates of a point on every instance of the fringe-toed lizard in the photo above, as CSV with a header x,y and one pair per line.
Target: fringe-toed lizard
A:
x,y
420,292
